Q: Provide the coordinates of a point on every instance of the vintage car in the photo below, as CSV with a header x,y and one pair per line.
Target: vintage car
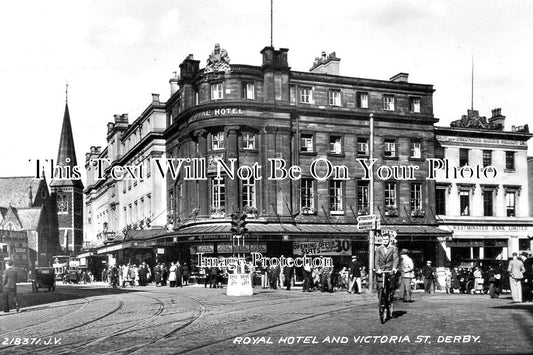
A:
x,y
43,277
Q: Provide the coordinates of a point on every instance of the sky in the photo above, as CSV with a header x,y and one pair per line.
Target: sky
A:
x,y
115,54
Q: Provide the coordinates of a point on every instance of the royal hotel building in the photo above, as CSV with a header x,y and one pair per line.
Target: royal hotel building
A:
x,y
253,114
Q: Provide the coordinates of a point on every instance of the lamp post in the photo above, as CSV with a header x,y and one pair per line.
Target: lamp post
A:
x,y
371,245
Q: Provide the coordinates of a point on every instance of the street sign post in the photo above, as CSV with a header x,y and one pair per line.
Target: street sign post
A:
x,y
368,222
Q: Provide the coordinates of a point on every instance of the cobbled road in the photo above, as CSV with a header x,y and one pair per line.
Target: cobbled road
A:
x,y
96,319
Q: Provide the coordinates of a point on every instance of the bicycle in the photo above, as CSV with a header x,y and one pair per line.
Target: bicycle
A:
x,y
386,297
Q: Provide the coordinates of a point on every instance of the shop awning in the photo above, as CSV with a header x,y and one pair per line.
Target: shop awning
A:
x,y
272,231
224,229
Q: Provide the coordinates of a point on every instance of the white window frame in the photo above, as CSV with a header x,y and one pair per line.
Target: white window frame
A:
x,y
334,97
217,140
510,202
306,95
217,91
415,105
363,198
388,102
417,202
249,193
361,144
248,91
218,196
512,156
390,195
336,197
336,146
466,212
307,142
248,141
390,148
307,196
416,149
363,100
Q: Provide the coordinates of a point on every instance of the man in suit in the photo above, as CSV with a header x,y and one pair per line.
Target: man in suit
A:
x,y
288,272
10,286
386,259
354,274
516,274
429,276
406,268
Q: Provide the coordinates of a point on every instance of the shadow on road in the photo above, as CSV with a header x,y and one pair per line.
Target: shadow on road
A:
x,y
46,299
398,314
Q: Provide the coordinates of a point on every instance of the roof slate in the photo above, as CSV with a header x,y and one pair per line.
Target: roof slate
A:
x,y
15,191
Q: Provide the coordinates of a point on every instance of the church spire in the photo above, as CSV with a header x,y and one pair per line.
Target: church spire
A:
x,y
66,154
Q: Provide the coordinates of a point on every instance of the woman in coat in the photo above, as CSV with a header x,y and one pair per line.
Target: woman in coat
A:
x,y
157,274
172,274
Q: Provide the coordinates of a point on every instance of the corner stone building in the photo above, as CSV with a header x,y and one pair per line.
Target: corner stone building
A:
x,y
256,113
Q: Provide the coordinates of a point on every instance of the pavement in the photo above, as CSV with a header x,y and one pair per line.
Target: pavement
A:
x,y
96,319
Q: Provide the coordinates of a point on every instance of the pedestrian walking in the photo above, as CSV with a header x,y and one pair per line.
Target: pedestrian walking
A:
x,y
264,276
172,274
157,274
407,269
308,274
354,272
10,286
186,274
179,274
516,274
143,272
164,274
288,273
429,275
527,286
213,282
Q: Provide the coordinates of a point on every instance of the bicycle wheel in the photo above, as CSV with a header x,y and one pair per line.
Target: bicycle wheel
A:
x,y
382,307
390,309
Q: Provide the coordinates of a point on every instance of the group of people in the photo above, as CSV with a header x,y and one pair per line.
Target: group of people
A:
x,y
322,278
133,275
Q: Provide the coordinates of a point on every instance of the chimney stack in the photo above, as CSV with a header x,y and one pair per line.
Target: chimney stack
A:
x,y
174,83
326,64
400,78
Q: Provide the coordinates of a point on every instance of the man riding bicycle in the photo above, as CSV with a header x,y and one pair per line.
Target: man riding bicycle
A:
x,y
386,260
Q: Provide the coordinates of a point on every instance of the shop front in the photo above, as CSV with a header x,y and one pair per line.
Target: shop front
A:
x,y
488,241
274,240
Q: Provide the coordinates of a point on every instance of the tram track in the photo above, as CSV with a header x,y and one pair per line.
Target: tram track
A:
x,y
248,333
160,309
59,332
84,305
195,317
